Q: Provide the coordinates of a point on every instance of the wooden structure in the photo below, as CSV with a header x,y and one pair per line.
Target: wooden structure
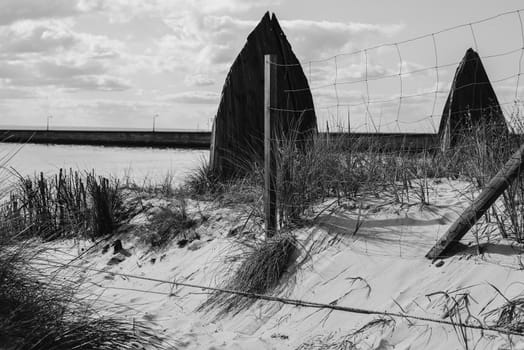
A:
x,y
238,139
471,103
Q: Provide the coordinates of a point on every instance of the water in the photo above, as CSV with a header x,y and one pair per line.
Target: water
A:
x,y
142,165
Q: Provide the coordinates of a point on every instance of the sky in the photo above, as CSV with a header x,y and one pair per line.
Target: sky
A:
x,y
128,63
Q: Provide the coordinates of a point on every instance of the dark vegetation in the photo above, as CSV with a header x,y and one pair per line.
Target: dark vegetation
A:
x,y
169,224
69,204
40,307
42,313
260,268
350,169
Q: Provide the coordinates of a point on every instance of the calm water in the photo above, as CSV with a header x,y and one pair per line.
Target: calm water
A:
x,y
140,164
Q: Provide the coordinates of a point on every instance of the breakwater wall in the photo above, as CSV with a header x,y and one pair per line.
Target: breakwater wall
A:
x,y
164,139
202,139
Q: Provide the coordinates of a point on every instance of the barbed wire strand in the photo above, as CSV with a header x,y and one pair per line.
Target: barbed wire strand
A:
x,y
288,301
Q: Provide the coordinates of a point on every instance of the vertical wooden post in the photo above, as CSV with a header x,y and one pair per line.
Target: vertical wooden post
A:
x,y
349,120
270,99
327,132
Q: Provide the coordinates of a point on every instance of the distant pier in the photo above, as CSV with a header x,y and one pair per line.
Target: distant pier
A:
x,y
160,139
195,139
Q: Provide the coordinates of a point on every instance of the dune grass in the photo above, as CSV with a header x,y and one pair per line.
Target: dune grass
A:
x,y
169,224
41,313
40,310
68,204
107,209
260,269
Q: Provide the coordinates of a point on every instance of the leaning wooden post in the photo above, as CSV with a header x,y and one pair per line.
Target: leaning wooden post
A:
x,y
480,205
270,99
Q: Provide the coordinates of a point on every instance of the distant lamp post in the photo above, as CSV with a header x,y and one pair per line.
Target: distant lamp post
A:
x,y
154,121
47,124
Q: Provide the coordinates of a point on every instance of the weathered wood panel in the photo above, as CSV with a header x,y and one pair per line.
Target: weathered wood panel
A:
x,y
239,123
471,103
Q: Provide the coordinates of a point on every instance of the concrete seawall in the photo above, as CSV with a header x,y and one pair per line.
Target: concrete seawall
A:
x,y
171,139
202,139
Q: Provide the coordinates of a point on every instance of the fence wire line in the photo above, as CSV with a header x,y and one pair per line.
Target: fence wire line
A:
x,y
407,40
287,301
366,115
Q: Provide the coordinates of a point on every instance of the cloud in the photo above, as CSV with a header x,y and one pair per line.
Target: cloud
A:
x,y
47,47
316,39
53,36
96,82
215,40
30,37
51,53
13,93
192,97
16,10
199,80
72,75
126,10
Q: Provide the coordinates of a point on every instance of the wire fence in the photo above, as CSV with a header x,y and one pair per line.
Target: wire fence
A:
x,y
403,86
400,88
283,300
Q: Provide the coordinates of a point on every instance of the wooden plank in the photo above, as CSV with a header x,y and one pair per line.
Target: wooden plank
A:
x,y
270,98
498,184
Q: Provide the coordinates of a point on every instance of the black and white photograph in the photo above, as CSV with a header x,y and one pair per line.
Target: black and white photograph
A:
x,y
261,175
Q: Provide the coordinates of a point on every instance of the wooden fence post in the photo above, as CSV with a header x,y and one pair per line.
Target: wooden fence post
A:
x,y
480,205
270,99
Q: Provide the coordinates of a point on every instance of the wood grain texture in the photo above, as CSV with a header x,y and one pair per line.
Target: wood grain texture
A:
x,y
239,123
471,103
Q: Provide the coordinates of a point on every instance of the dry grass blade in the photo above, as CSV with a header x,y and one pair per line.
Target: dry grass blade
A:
x,y
509,315
351,341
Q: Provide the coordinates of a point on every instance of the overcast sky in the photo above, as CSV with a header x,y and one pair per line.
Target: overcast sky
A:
x,y
117,63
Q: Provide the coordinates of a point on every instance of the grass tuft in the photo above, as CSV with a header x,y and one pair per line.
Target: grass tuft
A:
x,y
202,181
260,270
107,205
41,313
509,315
168,224
66,205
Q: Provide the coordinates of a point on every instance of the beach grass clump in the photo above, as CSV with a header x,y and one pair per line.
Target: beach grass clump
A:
x,y
261,268
47,207
305,176
168,224
204,184
107,207
351,340
203,181
482,155
69,204
41,313
511,315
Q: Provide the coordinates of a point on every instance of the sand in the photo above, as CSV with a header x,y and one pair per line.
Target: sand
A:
x,y
379,266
